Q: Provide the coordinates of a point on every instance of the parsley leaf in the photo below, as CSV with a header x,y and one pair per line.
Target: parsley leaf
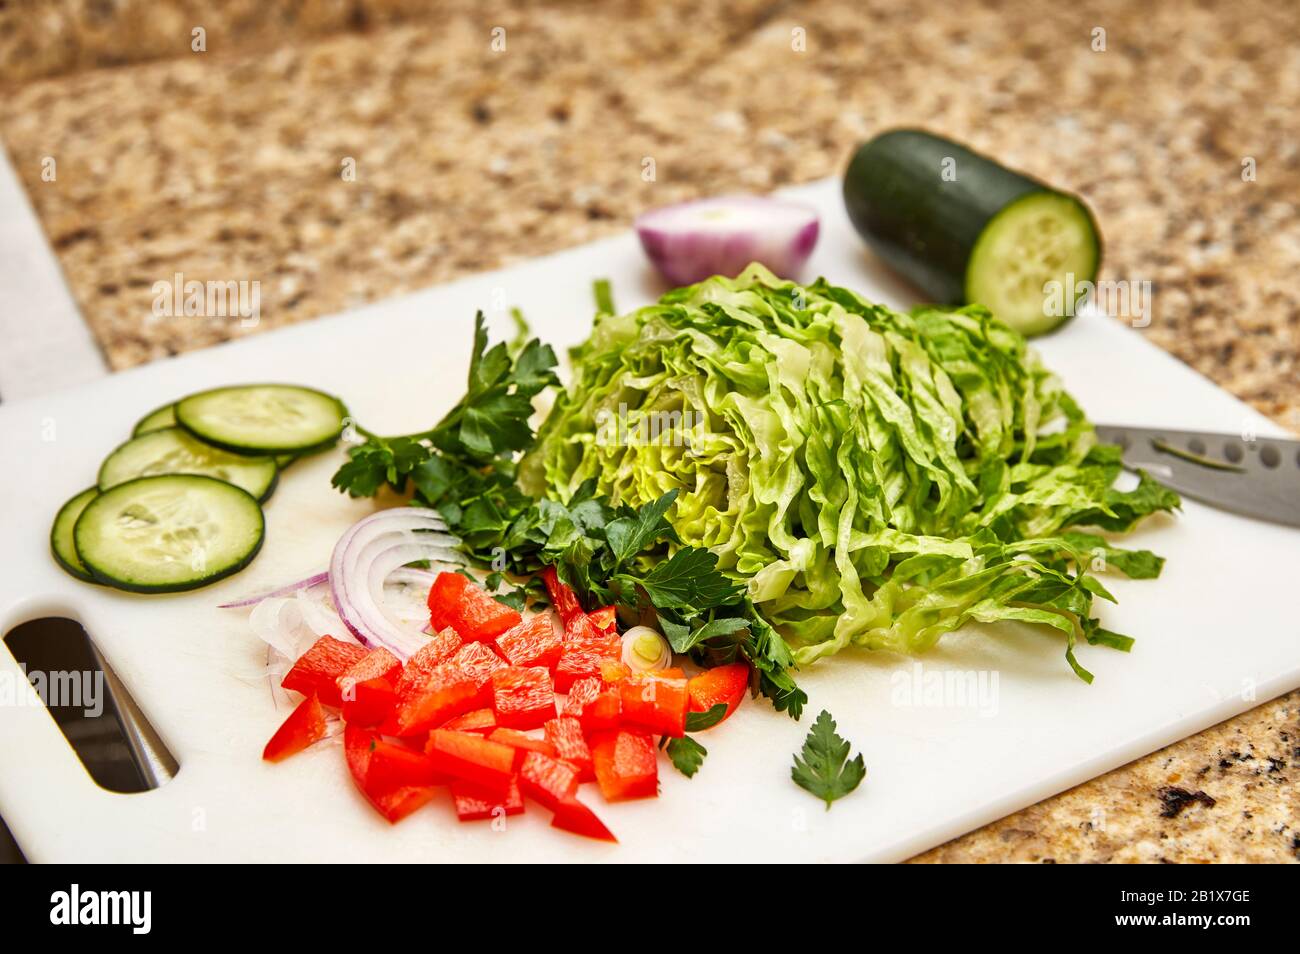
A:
x,y
687,755
699,721
825,769
628,535
689,579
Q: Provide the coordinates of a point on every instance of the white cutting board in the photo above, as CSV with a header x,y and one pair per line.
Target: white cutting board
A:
x,y
1217,634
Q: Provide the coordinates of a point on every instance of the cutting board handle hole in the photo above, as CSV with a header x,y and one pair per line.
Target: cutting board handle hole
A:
x,y
105,727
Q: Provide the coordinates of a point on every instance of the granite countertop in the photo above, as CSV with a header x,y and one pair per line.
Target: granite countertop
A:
x,y
225,164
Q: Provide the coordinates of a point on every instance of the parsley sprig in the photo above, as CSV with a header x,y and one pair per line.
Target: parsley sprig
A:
x,y
825,768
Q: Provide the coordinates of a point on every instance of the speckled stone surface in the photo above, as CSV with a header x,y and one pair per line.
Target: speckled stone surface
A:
x,y
485,133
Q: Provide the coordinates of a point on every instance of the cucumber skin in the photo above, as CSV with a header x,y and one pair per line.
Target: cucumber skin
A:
x,y
146,589
923,226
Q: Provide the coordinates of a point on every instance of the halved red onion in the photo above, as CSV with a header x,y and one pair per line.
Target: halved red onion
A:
x,y
368,553
314,580
693,240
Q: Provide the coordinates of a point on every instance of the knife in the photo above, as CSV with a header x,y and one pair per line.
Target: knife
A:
x,y
1259,477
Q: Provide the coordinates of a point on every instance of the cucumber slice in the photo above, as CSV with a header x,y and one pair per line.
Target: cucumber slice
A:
x,y
156,420
61,545
174,450
169,533
263,418
965,229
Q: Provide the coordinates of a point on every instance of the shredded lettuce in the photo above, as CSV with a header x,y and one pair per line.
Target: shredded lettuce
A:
x,y
875,479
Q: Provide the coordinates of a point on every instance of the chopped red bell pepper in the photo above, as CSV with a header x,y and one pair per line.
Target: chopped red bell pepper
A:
x,y
480,720
475,804
547,781
534,642
523,698
566,738
305,725
468,608
582,656
478,659
655,703
441,646
472,758
718,686
614,670
572,815
562,596
394,766
392,800
626,764
446,692
318,669
376,664
605,620
521,741
370,702
594,703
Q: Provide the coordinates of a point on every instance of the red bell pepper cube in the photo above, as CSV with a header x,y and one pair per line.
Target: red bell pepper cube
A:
x,y
479,720
318,669
478,659
370,702
305,725
562,596
468,609
521,741
446,692
582,657
605,620
547,781
721,685
655,703
392,793
566,738
376,664
441,646
626,765
523,698
572,815
472,758
475,804
594,704
534,642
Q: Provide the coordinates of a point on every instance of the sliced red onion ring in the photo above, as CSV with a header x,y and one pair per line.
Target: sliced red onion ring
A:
x,y
308,583
693,240
369,552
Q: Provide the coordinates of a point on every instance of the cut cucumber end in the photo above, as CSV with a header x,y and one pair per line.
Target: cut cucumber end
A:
x,y
1040,238
263,418
168,533
61,543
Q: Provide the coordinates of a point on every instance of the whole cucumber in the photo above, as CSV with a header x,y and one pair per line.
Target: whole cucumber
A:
x,y
964,228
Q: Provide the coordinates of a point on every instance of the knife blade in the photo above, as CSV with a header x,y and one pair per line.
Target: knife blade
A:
x,y
1259,477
